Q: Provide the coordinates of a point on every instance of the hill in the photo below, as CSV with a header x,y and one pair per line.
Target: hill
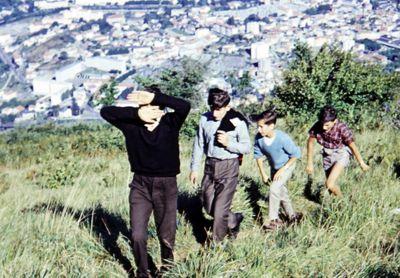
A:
x,y
64,212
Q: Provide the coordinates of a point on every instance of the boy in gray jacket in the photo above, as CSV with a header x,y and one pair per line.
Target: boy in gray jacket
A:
x,y
223,136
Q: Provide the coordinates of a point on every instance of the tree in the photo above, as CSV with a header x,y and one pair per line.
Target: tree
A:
x,y
241,86
359,91
108,93
182,81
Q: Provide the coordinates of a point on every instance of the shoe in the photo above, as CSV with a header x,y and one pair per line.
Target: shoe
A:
x,y
296,218
273,225
235,231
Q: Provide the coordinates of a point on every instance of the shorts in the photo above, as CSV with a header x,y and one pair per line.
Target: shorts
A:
x,y
332,156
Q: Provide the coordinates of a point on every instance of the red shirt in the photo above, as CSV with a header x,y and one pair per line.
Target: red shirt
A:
x,y
335,138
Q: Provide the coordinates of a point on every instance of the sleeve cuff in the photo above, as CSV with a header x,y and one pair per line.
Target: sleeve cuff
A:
x,y
257,156
158,99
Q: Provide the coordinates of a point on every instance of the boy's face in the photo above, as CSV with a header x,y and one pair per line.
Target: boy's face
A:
x,y
328,125
219,114
264,129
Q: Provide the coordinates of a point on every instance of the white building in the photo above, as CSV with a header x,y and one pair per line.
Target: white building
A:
x,y
253,28
177,12
6,39
317,42
347,42
43,104
105,64
265,68
115,19
65,113
99,2
81,97
26,117
48,87
51,4
141,51
260,50
69,72
86,14
8,95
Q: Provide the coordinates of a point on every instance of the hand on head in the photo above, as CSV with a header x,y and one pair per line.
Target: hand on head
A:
x,y
140,97
150,114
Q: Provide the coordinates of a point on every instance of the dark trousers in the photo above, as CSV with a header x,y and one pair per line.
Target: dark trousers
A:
x,y
148,194
218,187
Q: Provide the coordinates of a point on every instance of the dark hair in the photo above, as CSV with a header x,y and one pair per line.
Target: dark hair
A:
x,y
217,98
153,89
269,116
327,114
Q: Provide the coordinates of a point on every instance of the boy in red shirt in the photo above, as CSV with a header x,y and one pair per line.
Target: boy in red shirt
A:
x,y
338,147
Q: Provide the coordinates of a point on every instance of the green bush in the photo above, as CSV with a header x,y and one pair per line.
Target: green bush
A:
x,y
4,183
181,81
190,126
108,93
55,174
362,93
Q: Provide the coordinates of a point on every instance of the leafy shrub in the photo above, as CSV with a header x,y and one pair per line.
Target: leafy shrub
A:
x,y
4,184
190,126
55,174
110,179
362,93
181,81
108,94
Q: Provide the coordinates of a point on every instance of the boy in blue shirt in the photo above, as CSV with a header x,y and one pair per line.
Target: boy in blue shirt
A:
x,y
281,153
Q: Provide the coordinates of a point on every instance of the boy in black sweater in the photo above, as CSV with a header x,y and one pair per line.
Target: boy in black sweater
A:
x,y
151,138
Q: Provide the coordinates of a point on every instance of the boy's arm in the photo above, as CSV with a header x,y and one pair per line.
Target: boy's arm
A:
x,y
284,168
310,152
197,154
260,164
293,152
259,156
120,116
290,147
181,108
242,144
357,155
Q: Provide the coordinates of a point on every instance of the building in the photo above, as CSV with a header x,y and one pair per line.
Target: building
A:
x,y
106,64
260,50
69,72
49,87
51,4
99,2
253,28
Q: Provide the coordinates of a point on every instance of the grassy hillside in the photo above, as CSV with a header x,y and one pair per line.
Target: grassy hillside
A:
x,y
64,212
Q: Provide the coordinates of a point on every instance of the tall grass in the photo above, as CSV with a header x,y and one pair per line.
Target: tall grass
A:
x,y
64,212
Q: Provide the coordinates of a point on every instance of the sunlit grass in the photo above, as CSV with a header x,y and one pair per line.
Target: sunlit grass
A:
x,y
64,230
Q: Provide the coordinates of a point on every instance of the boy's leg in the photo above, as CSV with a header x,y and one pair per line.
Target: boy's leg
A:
x,y
165,193
285,199
207,186
222,214
274,200
225,186
334,173
286,203
277,193
140,209
334,163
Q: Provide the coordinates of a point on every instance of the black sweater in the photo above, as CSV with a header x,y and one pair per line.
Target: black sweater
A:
x,y
151,153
